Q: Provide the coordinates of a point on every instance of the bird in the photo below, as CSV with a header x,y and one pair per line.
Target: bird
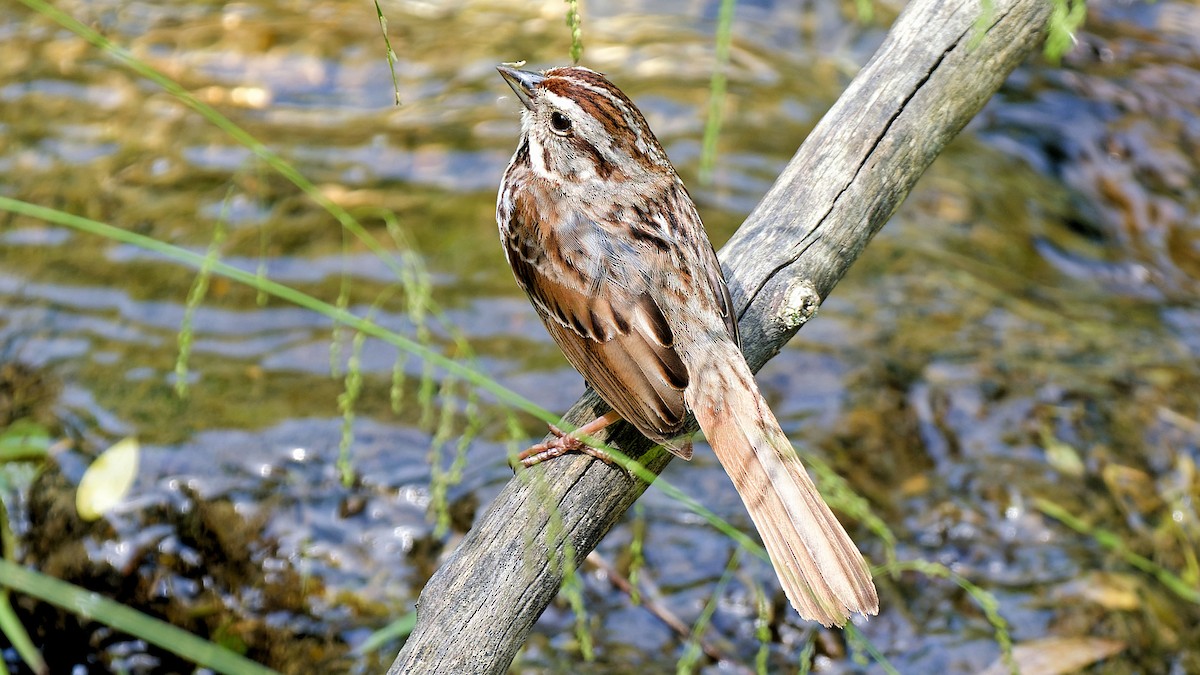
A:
x,y
604,238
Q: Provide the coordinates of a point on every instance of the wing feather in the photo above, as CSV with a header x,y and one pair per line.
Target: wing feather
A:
x,y
606,319
620,342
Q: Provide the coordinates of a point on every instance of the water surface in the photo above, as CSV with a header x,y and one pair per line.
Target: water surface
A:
x,y
1025,328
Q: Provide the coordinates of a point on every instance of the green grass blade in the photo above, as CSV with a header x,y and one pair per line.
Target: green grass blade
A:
x,y
391,53
689,662
282,292
237,133
716,91
575,23
12,629
395,630
155,631
1113,542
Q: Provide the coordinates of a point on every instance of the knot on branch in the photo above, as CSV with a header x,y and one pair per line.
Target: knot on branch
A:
x,y
800,303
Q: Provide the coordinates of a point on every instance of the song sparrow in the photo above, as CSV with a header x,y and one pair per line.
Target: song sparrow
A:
x,y
603,237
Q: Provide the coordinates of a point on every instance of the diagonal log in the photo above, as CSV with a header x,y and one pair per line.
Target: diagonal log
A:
x,y
942,60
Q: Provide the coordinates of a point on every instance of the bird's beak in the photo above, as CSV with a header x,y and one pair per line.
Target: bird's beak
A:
x,y
522,82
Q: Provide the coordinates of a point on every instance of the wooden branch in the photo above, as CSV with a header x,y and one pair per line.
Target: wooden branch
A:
x,y
940,63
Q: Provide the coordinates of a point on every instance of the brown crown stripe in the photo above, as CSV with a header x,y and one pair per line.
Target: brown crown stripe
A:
x,y
600,99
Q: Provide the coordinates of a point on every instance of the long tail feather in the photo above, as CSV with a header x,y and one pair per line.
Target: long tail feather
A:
x,y
821,570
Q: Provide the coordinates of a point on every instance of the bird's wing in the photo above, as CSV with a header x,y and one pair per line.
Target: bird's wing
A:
x,y
601,309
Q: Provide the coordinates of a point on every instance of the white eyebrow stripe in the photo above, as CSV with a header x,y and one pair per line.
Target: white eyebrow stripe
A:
x,y
623,107
563,103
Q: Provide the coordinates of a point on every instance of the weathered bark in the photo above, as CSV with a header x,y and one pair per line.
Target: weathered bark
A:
x,y
940,63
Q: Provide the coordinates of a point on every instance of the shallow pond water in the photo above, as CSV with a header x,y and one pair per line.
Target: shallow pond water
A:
x,y
1026,328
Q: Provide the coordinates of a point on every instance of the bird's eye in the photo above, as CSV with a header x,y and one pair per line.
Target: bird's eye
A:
x,y
560,123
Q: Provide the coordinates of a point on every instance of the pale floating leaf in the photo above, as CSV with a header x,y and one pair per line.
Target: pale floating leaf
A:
x,y
1062,456
108,479
1057,655
1117,592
